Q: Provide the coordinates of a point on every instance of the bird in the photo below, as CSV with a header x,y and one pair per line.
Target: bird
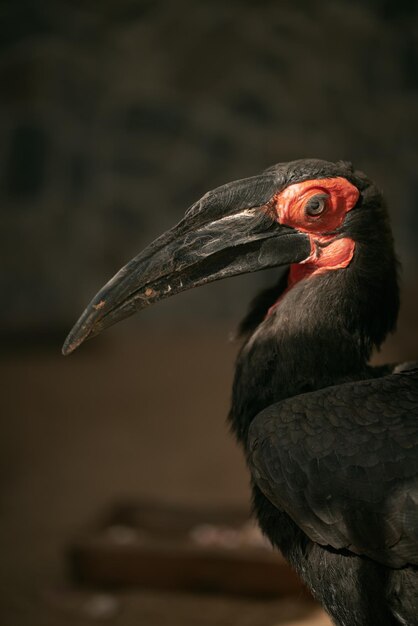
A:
x,y
331,441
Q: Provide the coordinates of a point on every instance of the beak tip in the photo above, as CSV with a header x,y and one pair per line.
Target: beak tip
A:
x,y
69,346
75,338
81,330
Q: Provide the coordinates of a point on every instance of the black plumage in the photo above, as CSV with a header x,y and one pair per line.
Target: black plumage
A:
x,y
343,463
331,442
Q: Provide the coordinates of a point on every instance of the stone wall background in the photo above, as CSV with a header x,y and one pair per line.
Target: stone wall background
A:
x,y
115,115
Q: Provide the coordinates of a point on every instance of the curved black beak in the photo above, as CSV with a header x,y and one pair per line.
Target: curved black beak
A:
x,y
229,231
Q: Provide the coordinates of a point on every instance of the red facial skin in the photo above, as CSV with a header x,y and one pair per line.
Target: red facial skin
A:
x,y
327,251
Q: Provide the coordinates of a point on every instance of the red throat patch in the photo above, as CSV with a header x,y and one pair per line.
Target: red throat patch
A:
x,y
317,207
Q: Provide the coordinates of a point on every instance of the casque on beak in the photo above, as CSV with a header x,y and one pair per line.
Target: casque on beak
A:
x,y
229,231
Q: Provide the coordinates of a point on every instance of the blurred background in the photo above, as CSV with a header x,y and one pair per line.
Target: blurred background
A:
x,y
115,116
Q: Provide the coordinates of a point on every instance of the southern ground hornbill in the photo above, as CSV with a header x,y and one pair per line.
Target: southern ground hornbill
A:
x,y
331,442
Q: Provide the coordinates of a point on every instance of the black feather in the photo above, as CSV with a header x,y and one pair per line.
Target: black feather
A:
x,y
334,447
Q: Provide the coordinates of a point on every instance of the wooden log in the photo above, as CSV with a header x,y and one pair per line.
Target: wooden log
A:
x,y
172,548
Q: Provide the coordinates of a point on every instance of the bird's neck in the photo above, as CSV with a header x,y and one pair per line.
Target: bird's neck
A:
x,y
320,333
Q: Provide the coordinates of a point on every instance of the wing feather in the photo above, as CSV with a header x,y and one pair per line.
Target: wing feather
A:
x,y
343,463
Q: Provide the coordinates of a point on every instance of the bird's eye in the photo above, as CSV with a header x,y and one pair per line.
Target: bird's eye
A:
x,y
316,205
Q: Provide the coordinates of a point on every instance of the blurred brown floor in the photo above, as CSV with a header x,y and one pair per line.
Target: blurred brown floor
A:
x,y
129,416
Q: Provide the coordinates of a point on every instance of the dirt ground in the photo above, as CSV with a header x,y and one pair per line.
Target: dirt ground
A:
x,y
139,413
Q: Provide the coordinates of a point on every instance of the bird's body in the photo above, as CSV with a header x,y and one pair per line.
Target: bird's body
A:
x,y
331,442
312,452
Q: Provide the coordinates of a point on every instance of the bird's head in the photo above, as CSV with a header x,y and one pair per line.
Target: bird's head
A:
x,y
312,215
